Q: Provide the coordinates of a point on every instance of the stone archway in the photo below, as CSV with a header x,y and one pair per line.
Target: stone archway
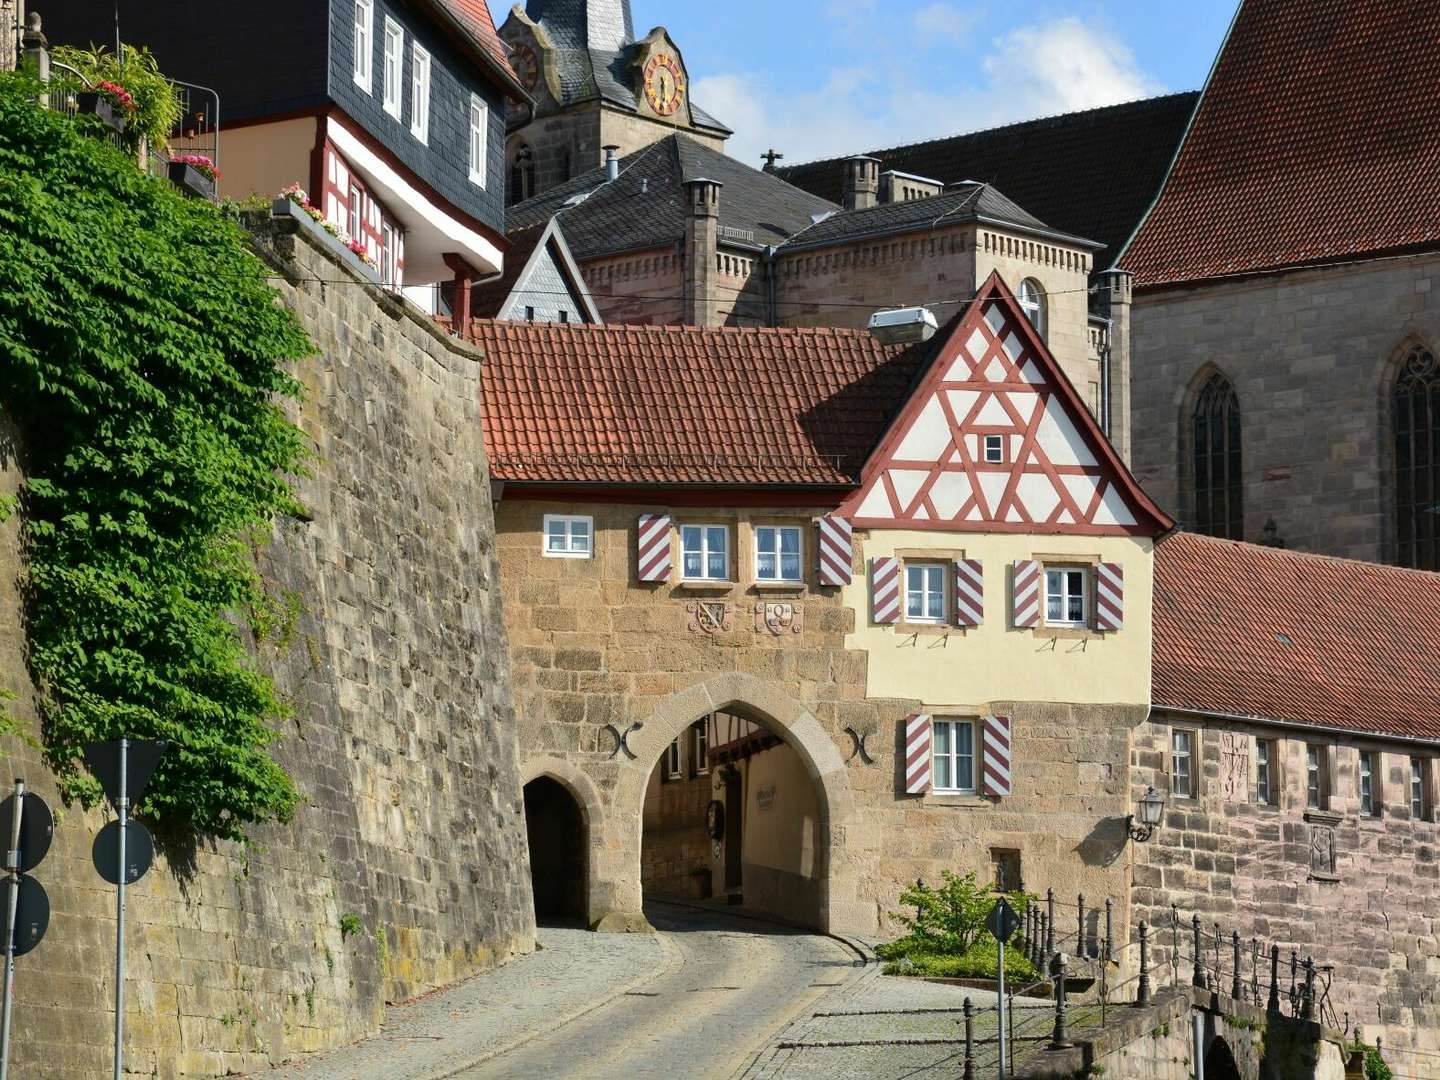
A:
x,y
562,818
618,856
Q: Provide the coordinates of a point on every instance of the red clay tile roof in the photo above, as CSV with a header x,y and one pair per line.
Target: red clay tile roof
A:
x,y
1316,139
1253,631
474,17
682,405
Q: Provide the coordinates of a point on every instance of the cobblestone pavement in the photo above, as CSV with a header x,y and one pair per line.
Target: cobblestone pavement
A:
x,y
739,981
572,973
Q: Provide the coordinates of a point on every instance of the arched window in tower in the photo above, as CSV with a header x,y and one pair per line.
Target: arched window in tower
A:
x,y
1032,302
1215,460
1415,412
522,173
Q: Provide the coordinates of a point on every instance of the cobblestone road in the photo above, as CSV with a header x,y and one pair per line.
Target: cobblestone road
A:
x,y
738,982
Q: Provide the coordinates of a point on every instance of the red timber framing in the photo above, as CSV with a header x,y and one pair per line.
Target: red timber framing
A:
x,y
995,439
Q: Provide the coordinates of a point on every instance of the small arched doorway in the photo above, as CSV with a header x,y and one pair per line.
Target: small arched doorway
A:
x,y
1220,1061
555,829
732,814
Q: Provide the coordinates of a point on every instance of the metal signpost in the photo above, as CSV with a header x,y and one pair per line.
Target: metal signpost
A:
x,y
123,767
27,826
1002,922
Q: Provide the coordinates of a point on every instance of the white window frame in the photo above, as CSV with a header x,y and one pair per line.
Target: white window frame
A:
x,y
355,219
701,747
1066,595
1031,297
927,572
1367,781
779,575
953,757
998,442
419,92
569,551
363,44
393,89
479,140
1179,736
673,761
705,550
1265,771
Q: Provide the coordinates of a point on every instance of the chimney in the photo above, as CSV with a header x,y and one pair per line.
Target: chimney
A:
x,y
862,182
612,163
702,244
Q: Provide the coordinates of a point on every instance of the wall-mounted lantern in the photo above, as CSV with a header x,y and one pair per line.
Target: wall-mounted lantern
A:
x,y
1152,808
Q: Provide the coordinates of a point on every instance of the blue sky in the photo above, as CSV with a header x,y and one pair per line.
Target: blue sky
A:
x,y
815,78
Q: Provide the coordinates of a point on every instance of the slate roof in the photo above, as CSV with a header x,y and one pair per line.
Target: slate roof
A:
x,y
488,298
685,405
1317,139
645,207
1090,173
970,202
1254,631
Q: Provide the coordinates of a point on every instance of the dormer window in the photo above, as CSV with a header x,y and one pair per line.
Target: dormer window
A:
x,y
364,36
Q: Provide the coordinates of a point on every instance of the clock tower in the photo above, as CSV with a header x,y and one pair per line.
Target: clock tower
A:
x,y
594,85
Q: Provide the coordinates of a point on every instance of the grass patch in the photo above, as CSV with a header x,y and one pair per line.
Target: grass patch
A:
x,y
903,958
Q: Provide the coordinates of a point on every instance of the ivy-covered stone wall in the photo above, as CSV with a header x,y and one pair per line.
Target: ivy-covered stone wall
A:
x,y
389,651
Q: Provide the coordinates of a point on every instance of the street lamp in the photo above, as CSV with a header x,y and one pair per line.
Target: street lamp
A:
x,y
1152,806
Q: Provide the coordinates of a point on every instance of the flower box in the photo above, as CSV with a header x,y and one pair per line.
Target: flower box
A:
x,y
288,208
192,181
100,106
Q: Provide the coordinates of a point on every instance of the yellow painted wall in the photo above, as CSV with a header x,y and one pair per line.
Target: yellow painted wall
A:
x,y
786,835
965,669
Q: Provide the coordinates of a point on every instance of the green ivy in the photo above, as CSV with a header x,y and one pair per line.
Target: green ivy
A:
x,y
143,355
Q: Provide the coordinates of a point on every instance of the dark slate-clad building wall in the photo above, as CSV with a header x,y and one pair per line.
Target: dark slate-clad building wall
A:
x,y
263,57
444,161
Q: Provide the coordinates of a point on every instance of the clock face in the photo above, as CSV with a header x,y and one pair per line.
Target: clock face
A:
x,y
527,65
664,84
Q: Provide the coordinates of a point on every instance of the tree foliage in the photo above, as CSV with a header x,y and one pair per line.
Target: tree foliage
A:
x,y
142,355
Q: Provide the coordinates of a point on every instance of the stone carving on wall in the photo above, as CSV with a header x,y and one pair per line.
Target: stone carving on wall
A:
x,y
710,616
1322,851
1235,766
779,618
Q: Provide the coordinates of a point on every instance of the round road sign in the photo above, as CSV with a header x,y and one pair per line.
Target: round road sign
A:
x,y
139,852
37,826
32,912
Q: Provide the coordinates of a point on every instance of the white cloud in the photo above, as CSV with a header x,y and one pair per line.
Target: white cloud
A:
x,y
944,24
1031,71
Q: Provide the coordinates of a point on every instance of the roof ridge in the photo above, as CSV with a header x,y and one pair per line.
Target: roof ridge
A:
x,y
986,130
673,328
1291,553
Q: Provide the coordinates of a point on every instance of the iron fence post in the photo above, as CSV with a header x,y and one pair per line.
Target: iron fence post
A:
x,y
1142,991
1197,977
1237,985
1294,994
1272,1004
1255,969
969,1010
1060,1039
1307,997
1175,943
1080,925
1049,922
1109,929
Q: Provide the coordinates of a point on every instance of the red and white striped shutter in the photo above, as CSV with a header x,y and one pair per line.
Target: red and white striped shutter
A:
x,y
969,593
652,547
995,756
837,549
1109,596
918,762
1026,592
885,590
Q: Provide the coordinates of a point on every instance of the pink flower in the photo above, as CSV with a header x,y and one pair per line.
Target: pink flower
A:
x,y
118,94
200,163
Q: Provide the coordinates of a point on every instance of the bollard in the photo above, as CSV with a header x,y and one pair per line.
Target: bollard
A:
x,y
1198,977
1255,970
1142,990
1029,932
1049,922
1080,926
1040,940
1109,930
1272,1005
1237,985
1307,997
969,1010
1061,1039
1294,994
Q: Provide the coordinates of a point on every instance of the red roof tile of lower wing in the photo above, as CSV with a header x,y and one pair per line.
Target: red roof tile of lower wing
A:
x,y
474,16
681,405
1316,139
1246,630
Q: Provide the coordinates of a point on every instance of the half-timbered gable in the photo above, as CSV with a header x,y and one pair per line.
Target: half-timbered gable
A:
x,y
996,439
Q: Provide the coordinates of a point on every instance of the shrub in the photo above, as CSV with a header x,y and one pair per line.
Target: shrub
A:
x,y
156,105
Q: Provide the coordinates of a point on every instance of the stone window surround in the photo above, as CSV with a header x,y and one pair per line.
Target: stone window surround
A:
x,y
948,556
1325,778
1069,561
1276,763
742,554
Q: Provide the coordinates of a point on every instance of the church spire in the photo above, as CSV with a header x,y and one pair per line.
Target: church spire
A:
x,y
605,25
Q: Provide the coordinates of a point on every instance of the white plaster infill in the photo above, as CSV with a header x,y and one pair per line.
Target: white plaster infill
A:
x,y
430,232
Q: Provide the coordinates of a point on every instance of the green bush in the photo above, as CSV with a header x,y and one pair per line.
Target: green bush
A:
x,y
946,934
142,355
1375,1067
157,105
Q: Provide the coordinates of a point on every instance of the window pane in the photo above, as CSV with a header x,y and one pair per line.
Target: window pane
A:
x,y
942,738
690,537
765,565
790,541
942,771
914,604
716,539
765,540
790,566
965,756
692,565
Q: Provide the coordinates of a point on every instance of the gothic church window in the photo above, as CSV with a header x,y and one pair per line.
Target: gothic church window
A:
x,y
1215,460
1032,302
1415,407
